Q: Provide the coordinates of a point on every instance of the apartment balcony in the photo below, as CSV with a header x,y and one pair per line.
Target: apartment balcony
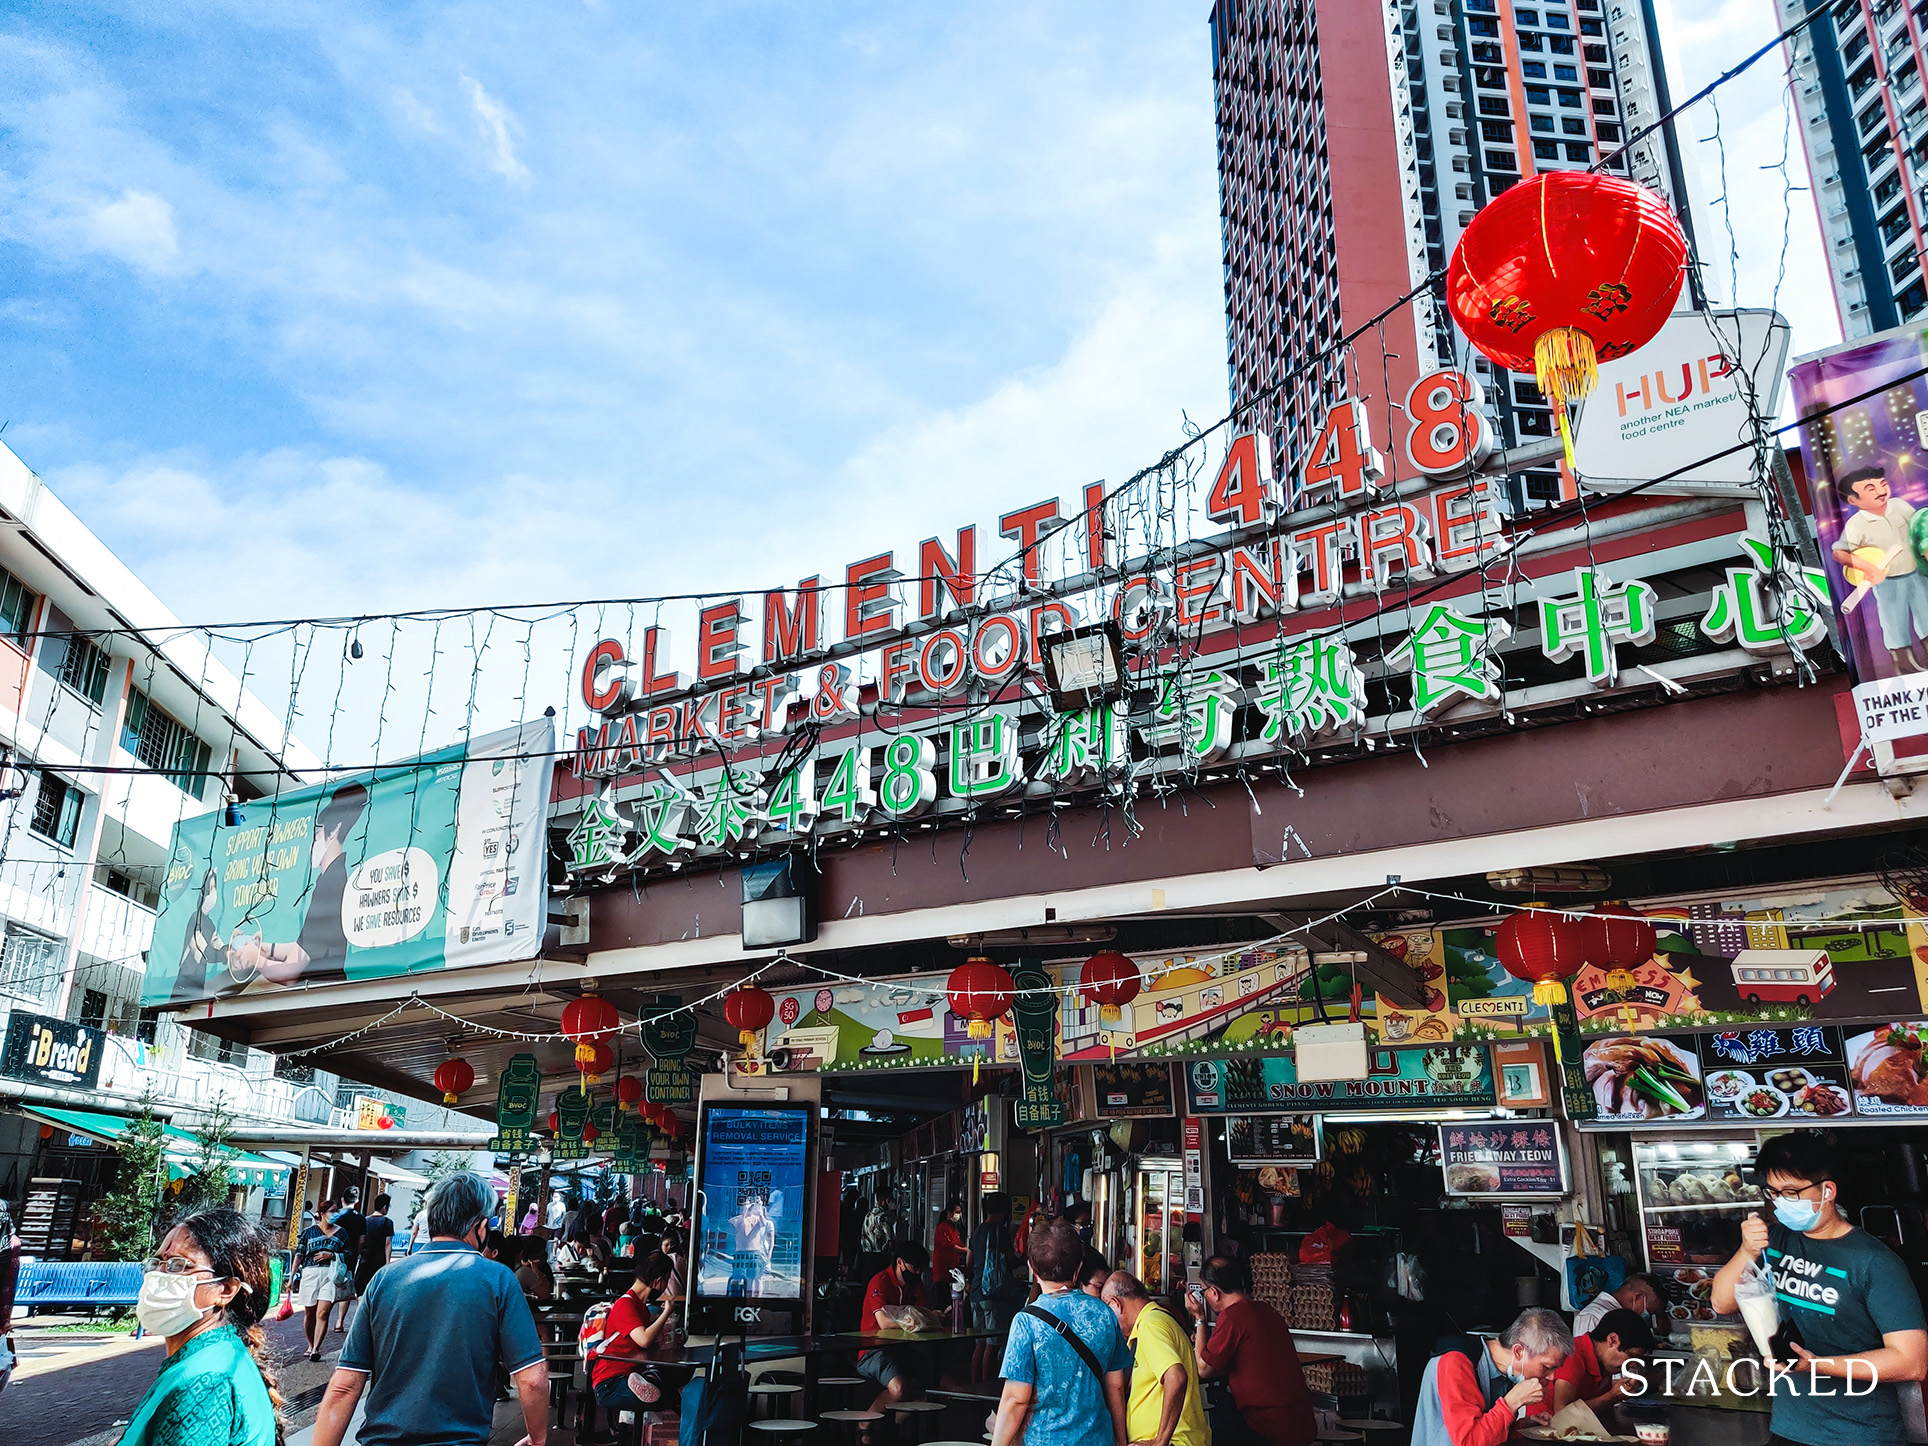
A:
x,y
247,1089
115,928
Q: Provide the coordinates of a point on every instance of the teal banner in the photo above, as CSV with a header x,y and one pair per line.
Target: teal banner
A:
x,y
433,864
1446,1075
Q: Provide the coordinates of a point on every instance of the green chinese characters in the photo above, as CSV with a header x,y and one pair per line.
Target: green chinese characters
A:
x,y
572,1113
1035,1014
517,1097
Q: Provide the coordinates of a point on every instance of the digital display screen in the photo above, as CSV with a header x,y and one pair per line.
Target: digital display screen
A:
x,y
751,1204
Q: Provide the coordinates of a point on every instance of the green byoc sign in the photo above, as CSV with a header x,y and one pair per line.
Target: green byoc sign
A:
x,y
1444,1076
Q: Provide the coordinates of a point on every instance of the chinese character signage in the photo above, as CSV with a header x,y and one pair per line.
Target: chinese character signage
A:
x,y
516,1094
1445,1075
372,1113
1793,1072
434,864
1036,1014
1518,1157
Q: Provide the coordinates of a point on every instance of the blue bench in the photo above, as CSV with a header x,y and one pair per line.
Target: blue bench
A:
x,y
71,1285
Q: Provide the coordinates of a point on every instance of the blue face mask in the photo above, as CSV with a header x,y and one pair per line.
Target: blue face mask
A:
x,y
1797,1214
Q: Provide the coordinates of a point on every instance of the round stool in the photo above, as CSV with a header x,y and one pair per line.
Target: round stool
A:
x,y
781,1423
844,1392
847,1427
773,1398
1371,1424
910,1414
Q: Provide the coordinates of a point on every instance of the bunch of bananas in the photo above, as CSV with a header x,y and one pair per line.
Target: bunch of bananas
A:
x,y
1345,1142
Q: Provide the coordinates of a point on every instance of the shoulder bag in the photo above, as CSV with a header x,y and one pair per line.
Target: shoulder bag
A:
x,y
1072,1339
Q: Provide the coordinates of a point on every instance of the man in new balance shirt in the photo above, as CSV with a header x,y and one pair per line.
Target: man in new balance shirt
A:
x,y
1847,1294
1473,1389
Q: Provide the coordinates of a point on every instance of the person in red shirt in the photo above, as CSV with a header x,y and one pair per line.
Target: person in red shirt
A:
x,y
897,1284
1592,1372
948,1253
1473,1389
629,1328
1250,1347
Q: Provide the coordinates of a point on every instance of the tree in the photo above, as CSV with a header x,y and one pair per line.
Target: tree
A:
x,y
127,1212
441,1165
206,1184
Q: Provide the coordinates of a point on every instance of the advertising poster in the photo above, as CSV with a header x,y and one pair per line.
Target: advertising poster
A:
x,y
751,1203
1520,1158
1126,1091
1865,467
431,865
51,1051
1886,1069
1793,1073
1645,1079
1445,1075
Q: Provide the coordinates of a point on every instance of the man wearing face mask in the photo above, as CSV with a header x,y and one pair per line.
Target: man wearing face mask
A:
x,y
900,1283
1847,1295
427,1339
1473,1389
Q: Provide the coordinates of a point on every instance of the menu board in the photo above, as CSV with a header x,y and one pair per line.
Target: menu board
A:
x,y
1645,1079
1793,1072
1887,1071
1519,1157
1272,1139
1128,1091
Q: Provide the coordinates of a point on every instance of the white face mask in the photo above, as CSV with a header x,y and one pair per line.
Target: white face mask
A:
x,y
166,1305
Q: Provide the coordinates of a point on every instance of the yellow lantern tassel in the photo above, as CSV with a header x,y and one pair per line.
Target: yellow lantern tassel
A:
x,y
447,1098
1110,1013
746,1038
1567,369
585,1055
1549,991
976,1060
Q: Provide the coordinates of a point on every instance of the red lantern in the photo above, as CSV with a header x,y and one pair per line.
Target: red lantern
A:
x,y
1111,981
748,1009
1543,947
602,1060
588,1020
452,1076
590,1134
1564,271
555,1124
980,993
1618,937
629,1089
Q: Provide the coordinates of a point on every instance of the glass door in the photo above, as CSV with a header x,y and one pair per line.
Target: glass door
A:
x,y
1160,1221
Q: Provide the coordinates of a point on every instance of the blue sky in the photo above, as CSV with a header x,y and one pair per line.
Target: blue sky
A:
x,y
316,309
489,301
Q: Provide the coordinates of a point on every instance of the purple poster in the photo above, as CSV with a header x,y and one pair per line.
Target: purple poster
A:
x,y
1868,466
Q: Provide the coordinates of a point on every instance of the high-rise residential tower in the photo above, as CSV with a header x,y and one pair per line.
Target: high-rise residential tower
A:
x,y
1356,138
1855,72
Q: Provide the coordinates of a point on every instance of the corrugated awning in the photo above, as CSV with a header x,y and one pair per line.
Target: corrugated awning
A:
x,y
396,1175
182,1151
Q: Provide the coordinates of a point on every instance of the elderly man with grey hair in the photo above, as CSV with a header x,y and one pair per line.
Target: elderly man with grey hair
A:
x,y
429,1335
1473,1389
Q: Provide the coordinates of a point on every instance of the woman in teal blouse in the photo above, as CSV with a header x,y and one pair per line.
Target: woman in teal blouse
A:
x,y
206,1293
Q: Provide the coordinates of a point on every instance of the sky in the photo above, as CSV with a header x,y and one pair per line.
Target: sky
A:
x,y
318,309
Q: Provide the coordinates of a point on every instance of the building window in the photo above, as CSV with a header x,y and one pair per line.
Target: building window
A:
x,y
1607,130
1556,21
144,1029
56,810
1546,150
1591,27
1501,161
1912,300
1894,225
93,1009
1596,54
1565,72
1526,17
1538,95
1560,44
1540,123
1599,79
1478,26
1496,130
1529,41
30,965
84,669
1534,70
1887,190
1494,105
1901,268
16,604
160,742
1572,100
1602,106
1573,125
1578,152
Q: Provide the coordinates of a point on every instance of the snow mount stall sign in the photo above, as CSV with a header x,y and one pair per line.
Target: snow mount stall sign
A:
x,y
1211,652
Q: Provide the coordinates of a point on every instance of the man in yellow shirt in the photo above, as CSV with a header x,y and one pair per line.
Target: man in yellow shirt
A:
x,y
1164,1407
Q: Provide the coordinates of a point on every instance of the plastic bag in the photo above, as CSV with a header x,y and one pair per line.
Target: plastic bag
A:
x,y
1754,1298
1588,1273
910,1318
1322,1244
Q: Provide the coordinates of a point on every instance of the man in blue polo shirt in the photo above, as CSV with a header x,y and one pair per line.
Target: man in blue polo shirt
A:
x,y
426,1342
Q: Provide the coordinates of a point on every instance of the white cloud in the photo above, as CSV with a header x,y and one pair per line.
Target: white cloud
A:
x,y
414,112
494,120
138,228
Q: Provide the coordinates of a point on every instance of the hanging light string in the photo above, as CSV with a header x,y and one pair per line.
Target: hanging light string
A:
x,y
1729,921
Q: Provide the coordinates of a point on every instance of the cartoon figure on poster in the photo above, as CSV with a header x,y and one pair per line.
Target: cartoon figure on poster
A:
x,y
756,1238
1869,471
751,1204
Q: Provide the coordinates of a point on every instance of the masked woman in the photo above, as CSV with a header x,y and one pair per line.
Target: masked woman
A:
x,y
206,1293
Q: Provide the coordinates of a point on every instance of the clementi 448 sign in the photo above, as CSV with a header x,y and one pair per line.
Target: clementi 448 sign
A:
x,y
963,673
